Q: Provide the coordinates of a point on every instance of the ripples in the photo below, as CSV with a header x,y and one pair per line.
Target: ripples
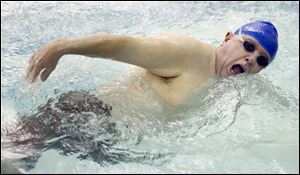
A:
x,y
226,121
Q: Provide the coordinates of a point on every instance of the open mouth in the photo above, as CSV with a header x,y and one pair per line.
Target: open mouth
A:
x,y
237,69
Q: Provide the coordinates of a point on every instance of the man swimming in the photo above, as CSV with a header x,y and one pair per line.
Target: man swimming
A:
x,y
173,65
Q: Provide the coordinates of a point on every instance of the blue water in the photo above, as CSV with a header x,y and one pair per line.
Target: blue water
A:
x,y
242,124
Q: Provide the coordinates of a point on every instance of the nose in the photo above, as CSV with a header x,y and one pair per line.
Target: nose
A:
x,y
251,59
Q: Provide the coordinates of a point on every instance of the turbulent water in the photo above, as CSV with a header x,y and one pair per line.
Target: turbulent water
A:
x,y
241,124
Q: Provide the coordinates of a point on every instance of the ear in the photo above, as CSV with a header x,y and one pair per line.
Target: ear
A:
x,y
228,36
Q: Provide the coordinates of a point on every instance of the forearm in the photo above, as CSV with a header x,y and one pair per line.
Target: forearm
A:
x,y
139,51
100,45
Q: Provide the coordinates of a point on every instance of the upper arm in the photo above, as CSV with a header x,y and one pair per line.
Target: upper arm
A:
x,y
164,55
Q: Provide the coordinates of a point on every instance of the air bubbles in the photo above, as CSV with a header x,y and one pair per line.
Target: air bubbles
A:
x,y
56,90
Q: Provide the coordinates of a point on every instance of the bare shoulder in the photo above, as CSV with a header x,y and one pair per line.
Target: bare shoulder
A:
x,y
174,37
183,45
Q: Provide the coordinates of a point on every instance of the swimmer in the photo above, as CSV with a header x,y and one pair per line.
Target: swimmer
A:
x,y
173,65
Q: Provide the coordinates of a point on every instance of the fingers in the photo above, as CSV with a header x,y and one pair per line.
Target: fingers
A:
x,y
29,74
45,74
34,69
34,73
43,62
30,67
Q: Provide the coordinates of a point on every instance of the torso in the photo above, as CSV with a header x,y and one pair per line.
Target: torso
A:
x,y
175,89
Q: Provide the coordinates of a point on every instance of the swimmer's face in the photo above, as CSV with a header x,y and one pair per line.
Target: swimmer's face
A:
x,y
241,54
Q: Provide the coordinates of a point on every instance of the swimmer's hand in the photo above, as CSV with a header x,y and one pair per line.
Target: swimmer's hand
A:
x,y
44,61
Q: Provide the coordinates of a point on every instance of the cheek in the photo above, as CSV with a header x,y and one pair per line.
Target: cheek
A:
x,y
256,69
232,50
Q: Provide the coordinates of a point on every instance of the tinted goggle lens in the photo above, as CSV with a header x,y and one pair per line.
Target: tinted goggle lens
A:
x,y
249,46
261,60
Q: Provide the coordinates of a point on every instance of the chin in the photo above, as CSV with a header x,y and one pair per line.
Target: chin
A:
x,y
225,74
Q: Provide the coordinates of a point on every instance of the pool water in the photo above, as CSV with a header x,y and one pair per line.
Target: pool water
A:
x,y
241,124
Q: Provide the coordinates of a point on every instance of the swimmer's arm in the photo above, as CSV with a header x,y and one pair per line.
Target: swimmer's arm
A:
x,y
166,55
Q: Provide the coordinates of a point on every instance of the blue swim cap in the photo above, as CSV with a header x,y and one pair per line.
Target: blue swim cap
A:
x,y
264,32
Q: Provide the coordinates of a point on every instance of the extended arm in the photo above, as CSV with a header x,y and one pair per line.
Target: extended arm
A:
x,y
165,55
